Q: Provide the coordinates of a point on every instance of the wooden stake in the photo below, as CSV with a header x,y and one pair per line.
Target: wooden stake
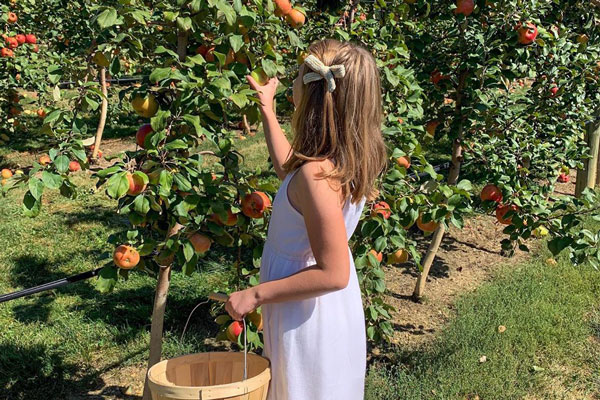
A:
x,y
103,113
589,177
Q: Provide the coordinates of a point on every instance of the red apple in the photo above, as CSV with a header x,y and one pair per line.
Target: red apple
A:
x,y
382,208
136,184
491,193
255,204
464,7
234,330
141,134
528,33
501,211
74,166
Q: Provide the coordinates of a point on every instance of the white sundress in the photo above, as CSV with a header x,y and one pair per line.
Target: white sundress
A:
x,y
317,346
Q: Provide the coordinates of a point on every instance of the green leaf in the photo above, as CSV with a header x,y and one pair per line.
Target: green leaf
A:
x,y
159,74
371,332
162,50
36,188
188,250
170,16
184,24
115,66
269,67
141,204
117,185
108,171
182,182
165,182
62,163
236,42
380,285
465,185
31,206
558,244
140,16
53,117
107,279
51,181
240,100
176,144
228,11
107,18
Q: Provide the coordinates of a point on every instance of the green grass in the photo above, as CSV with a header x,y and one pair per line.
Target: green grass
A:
x,y
550,349
61,341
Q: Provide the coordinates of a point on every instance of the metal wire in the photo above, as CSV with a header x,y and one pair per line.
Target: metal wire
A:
x,y
190,316
245,336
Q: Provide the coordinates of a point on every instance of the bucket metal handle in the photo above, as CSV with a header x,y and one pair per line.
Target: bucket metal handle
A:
x,y
224,298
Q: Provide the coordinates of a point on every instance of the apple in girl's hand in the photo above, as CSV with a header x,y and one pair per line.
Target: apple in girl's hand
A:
x,y
260,76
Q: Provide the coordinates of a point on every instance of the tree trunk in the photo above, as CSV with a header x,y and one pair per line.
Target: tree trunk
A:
x,y
438,235
453,175
182,44
158,314
158,317
103,113
436,241
353,5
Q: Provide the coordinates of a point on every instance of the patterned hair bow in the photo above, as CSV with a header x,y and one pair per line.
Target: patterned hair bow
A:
x,y
322,71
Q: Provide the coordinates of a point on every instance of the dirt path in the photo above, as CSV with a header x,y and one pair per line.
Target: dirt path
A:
x,y
466,259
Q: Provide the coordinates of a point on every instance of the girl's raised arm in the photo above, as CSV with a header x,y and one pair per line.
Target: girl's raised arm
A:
x,y
279,147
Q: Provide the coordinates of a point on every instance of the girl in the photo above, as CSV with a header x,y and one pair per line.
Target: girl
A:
x,y
314,330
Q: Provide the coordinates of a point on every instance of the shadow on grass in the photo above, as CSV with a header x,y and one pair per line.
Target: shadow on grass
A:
x,y
98,214
38,372
127,308
34,141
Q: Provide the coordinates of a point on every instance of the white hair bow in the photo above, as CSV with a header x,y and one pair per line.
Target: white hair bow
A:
x,y
322,71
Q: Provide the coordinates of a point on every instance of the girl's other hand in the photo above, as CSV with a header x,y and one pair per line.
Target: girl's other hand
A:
x,y
266,93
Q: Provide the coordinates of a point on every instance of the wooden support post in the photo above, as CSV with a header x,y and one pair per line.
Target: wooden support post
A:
x,y
589,177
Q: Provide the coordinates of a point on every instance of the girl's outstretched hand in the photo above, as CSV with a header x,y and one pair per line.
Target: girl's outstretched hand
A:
x,y
266,93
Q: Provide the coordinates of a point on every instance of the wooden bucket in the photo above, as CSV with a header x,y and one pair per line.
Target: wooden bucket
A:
x,y
210,376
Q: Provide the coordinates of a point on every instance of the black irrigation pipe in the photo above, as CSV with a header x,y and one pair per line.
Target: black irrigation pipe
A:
x,y
50,285
118,81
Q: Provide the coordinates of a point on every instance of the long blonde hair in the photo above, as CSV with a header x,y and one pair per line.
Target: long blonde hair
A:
x,y
343,126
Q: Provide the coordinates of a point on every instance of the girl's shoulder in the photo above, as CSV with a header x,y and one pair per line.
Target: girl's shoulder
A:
x,y
308,179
